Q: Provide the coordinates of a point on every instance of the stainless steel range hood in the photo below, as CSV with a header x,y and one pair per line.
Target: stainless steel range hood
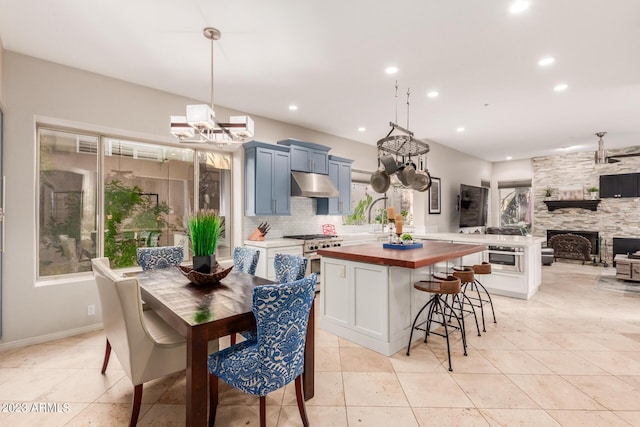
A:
x,y
304,184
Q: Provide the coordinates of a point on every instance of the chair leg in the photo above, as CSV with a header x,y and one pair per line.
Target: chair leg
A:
x,y
300,398
473,310
490,301
107,353
135,407
233,339
213,399
414,324
263,411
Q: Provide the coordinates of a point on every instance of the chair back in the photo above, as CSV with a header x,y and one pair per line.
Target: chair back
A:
x,y
289,267
123,319
282,315
245,259
160,257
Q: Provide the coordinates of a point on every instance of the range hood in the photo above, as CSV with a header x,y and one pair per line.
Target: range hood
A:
x,y
304,184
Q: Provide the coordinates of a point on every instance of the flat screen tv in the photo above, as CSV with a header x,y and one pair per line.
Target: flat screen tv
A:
x,y
474,203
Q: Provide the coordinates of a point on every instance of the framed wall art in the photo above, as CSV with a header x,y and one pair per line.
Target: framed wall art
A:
x,y
435,203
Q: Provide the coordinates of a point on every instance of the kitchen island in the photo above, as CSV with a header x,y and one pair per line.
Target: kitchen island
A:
x,y
368,295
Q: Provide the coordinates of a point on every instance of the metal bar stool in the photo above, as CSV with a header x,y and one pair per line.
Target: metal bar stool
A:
x,y
466,276
437,313
480,269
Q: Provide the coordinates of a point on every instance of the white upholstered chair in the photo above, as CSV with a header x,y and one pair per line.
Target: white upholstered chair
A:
x,y
146,346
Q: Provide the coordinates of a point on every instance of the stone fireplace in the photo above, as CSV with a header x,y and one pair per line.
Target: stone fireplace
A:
x,y
591,236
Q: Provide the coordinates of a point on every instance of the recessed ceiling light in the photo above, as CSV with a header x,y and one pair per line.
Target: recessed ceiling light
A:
x,y
545,62
518,6
509,158
560,87
362,129
433,94
460,129
293,107
391,70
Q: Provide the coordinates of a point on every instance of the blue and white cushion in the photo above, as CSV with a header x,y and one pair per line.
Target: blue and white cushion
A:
x,y
160,257
276,356
245,259
289,267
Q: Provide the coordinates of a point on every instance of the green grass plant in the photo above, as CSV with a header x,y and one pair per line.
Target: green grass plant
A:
x,y
205,228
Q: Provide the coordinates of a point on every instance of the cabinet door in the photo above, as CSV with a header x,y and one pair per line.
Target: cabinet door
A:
x,y
607,186
319,161
281,184
300,159
628,185
265,162
344,185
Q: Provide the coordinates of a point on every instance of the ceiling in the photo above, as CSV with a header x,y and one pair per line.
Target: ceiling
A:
x,y
329,57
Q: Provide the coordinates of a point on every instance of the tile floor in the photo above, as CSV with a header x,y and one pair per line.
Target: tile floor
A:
x,y
569,356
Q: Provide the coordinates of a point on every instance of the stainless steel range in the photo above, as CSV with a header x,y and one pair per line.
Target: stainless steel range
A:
x,y
313,242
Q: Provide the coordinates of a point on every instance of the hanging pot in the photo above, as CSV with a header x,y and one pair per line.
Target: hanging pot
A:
x,y
407,174
380,181
422,179
389,163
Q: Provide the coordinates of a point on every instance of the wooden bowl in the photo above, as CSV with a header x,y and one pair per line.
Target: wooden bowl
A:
x,y
202,279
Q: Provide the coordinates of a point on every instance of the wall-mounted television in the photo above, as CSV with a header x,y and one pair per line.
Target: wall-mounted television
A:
x,y
474,202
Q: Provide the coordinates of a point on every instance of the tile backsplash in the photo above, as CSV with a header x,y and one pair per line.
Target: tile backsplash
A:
x,y
303,220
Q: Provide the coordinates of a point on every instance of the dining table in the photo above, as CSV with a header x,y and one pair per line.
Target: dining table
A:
x,y
202,313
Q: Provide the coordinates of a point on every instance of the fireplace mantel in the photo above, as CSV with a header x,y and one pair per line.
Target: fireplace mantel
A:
x,y
552,205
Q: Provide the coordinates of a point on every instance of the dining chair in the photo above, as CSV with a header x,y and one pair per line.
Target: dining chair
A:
x,y
275,357
289,267
146,346
160,257
246,259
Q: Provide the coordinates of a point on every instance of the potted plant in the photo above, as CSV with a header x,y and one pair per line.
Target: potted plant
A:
x,y
593,192
407,239
205,228
548,192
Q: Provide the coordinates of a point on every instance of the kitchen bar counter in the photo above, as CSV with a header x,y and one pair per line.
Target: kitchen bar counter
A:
x,y
429,254
368,296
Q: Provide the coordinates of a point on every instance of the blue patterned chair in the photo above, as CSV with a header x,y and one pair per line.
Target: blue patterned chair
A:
x,y
160,257
245,259
276,356
289,267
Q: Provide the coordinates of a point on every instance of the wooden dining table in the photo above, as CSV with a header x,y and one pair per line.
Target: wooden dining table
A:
x,y
204,313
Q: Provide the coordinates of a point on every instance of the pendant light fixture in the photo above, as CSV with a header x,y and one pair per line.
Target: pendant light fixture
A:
x,y
200,124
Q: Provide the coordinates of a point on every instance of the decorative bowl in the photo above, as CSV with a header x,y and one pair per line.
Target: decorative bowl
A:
x,y
198,278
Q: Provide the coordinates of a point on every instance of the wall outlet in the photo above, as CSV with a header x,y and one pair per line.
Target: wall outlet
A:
x,y
91,309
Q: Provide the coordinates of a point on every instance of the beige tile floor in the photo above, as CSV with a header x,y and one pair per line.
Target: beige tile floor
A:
x,y
569,356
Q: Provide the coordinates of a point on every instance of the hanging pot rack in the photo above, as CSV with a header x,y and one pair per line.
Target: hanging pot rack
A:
x,y
404,145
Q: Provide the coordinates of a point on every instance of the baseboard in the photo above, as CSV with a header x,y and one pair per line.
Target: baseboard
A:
x,y
49,337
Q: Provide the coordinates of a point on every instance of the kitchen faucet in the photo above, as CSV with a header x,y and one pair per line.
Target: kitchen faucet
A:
x,y
371,205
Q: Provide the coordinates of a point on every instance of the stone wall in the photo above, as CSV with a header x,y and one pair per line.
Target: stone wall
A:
x,y
614,217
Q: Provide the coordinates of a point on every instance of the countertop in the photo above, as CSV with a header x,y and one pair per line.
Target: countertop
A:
x,y
484,239
275,243
374,253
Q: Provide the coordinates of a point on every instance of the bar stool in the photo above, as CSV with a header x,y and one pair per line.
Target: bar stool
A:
x,y
438,306
479,270
466,276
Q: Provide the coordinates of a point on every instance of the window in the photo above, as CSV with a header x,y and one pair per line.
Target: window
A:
x,y
141,198
515,204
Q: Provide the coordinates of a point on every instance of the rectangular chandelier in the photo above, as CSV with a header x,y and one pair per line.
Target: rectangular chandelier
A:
x,y
200,125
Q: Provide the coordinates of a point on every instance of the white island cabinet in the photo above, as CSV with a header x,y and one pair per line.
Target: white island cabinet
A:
x,y
268,250
517,284
368,295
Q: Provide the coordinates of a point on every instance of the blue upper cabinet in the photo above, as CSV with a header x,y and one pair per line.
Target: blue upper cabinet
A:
x,y
267,179
340,174
307,156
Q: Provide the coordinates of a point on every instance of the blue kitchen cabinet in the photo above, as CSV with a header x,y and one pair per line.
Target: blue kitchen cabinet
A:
x,y
307,156
267,179
340,174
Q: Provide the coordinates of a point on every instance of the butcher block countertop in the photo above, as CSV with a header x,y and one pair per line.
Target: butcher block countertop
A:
x,y
430,253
